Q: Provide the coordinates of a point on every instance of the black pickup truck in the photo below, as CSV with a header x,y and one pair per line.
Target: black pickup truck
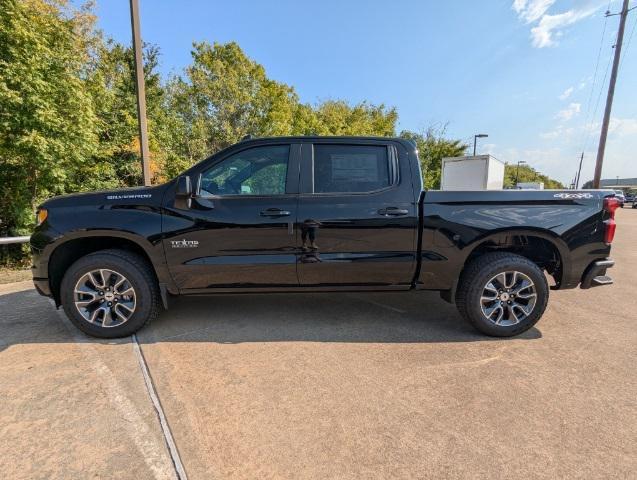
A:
x,y
328,214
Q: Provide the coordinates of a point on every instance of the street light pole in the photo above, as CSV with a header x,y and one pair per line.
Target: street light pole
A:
x,y
140,90
609,98
475,138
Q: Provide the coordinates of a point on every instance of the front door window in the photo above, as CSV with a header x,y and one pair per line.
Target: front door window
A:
x,y
256,171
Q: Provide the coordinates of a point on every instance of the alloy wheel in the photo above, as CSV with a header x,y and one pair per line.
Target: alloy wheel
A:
x,y
508,298
105,298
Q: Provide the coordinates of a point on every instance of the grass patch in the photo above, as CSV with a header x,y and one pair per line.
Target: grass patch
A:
x,y
11,275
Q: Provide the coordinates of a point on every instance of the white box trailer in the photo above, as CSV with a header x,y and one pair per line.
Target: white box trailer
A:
x,y
480,172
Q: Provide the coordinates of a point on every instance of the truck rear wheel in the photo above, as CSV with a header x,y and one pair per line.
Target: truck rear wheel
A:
x,y
110,293
502,294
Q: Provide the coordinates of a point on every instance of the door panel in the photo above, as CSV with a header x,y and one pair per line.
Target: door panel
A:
x,y
356,238
235,234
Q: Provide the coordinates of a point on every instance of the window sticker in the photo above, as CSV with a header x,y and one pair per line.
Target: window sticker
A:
x,y
354,167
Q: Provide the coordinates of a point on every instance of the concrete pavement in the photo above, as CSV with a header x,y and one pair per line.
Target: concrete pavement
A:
x,y
328,386
71,407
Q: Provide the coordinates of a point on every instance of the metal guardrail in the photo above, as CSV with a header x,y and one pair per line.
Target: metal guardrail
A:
x,y
10,240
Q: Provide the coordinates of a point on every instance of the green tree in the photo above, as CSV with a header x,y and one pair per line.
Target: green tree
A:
x,y
111,84
527,174
225,95
47,120
432,148
337,117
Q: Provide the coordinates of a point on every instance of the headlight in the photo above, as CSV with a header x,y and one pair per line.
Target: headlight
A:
x,y
40,216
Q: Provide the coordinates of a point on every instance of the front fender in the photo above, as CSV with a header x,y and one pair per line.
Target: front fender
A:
x,y
102,226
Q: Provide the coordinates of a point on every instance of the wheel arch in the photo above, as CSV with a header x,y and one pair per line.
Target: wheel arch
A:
x,y
542,247
75,247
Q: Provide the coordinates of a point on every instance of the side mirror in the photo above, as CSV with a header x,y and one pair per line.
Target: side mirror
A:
x,y
183,192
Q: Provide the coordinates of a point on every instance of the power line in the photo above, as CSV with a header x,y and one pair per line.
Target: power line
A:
x,y
587,119
599,54
611,93
632,31
589,126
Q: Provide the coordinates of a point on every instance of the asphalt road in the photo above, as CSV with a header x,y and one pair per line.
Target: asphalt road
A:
x,y
327,386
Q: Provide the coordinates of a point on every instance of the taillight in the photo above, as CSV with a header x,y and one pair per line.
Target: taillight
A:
x,y
610,205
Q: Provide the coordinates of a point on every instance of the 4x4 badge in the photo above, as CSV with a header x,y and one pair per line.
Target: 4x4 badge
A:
x,y
573,195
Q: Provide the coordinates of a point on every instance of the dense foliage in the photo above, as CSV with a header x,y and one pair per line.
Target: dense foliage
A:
x,y
68,117
47,134
527,174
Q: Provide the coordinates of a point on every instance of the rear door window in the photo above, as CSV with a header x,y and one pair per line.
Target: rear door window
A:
x,y
351,168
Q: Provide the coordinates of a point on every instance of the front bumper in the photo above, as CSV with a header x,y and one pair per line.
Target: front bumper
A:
x,y
41,241
595,274
39,271
42,286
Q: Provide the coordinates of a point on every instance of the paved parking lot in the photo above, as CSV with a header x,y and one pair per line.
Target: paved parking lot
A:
x,y
327,386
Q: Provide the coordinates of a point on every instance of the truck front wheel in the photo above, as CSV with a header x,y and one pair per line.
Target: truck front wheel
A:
x,y
502,294
110,293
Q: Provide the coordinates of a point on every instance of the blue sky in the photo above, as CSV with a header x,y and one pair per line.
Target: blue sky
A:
x,y
522,71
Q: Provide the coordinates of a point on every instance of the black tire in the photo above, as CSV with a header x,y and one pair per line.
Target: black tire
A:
x,y
472,284
138,273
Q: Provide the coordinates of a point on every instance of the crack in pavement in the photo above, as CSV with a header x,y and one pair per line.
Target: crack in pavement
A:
x,y
155,457
165,427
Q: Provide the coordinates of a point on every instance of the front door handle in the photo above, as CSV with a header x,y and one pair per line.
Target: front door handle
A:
x,y
393,211
275,212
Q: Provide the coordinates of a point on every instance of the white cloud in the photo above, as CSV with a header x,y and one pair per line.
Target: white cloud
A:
x,y
549,27
617,128
518,5
559,132
559,150
569,112
566,94
622,127
530,11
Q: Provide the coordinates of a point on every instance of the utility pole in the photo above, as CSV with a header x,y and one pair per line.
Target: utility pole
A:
x,y
609,98
579,170
141,90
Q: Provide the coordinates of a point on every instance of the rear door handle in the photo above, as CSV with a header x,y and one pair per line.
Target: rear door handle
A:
x,y
275,212
393,211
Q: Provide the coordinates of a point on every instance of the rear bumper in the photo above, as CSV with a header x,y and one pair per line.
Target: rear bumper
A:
x,y
595,274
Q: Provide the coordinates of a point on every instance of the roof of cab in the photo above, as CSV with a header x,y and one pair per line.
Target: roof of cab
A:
x,y
310,138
